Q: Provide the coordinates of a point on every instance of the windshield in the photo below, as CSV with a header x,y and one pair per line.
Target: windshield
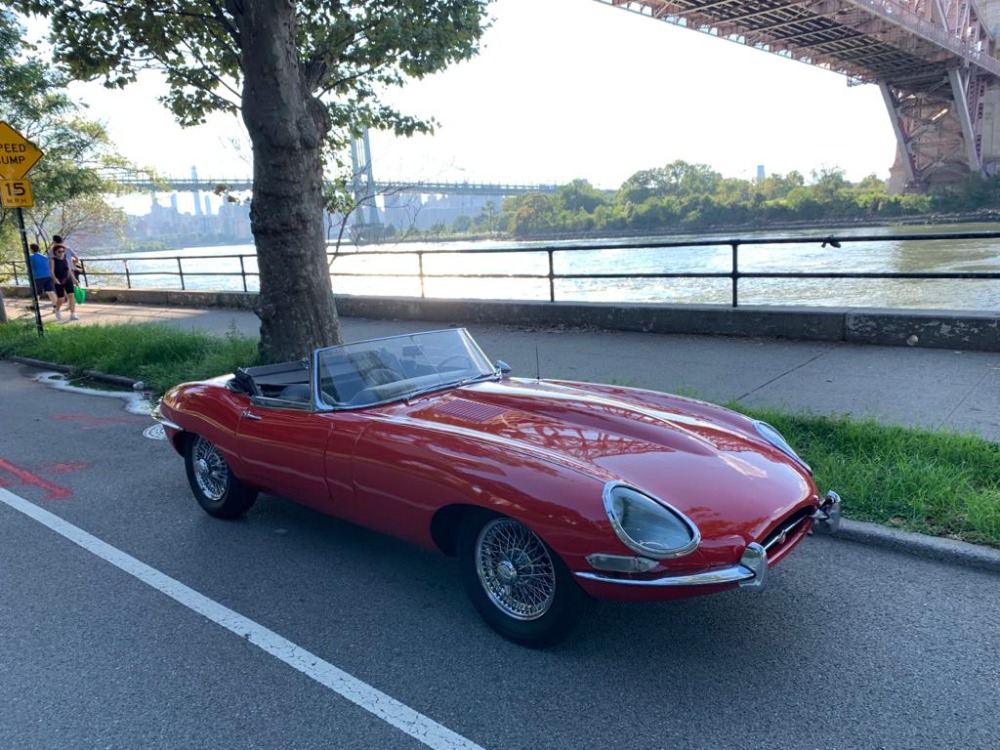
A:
x,y
371,372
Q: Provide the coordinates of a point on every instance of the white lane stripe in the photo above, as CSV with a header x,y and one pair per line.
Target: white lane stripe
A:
x,y
391,711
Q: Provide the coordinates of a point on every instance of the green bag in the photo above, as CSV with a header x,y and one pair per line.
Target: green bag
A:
x,y
81,295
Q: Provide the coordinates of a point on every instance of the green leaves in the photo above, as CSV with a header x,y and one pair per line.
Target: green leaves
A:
x,y
347,51
75,171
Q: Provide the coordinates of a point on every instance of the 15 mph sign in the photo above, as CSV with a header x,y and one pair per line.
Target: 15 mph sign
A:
x,y
17,156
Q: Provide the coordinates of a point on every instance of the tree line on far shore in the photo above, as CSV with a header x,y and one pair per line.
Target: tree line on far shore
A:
x,y
694,197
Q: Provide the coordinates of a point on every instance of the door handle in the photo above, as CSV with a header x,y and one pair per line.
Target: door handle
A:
x,y
247,414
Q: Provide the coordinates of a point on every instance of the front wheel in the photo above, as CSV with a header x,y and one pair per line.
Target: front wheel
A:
x,y
214,485
516,582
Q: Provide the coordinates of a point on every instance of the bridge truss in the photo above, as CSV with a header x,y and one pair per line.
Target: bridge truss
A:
x,y
935,62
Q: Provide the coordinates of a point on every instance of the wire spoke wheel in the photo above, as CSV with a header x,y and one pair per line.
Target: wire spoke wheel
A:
x,y
210,469
218,491
515,569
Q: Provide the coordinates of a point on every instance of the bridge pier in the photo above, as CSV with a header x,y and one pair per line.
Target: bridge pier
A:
x,y
946,129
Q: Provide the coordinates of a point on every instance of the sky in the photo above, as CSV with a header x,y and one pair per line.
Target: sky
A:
x,y
570,89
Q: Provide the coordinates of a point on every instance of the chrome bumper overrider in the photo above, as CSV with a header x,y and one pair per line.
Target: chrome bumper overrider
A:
x,y
827,518
750,572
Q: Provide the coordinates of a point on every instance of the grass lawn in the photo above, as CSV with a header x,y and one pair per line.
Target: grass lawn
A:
x,y
158,355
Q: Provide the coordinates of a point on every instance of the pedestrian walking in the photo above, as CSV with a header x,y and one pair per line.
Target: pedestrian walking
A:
x,y
65,282
42,272
71,255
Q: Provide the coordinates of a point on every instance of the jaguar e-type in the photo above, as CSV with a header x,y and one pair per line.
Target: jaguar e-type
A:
x,y
548,492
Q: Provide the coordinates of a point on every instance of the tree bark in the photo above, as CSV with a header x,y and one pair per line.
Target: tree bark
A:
x,y
287,127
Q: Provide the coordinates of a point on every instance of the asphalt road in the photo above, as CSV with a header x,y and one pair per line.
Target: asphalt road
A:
x,y
849,647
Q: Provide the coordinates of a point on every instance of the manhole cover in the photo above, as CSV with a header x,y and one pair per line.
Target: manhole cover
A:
x,y
155,432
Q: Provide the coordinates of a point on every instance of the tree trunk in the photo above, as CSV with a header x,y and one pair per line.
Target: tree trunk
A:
x,y
287,127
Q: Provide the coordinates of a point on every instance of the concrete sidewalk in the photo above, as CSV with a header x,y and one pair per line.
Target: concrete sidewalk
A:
x,y
930,388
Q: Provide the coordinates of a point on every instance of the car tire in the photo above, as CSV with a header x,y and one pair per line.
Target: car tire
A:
x,y
218,491
517,583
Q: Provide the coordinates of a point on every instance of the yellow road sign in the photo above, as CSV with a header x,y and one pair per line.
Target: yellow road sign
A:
x,y
16,194
17,154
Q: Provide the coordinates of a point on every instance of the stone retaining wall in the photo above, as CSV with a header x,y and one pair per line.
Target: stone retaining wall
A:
x,y
942,329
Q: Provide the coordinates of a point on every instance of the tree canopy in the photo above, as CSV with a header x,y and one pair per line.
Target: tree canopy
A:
x,y
69,183
694,197
305,76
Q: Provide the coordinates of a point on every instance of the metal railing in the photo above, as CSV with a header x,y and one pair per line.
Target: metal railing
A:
x,y
97,270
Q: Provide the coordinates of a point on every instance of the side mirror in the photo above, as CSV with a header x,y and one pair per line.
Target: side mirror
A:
x,y
502,367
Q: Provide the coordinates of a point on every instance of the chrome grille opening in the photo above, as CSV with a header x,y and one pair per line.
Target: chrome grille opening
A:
x,y
785,530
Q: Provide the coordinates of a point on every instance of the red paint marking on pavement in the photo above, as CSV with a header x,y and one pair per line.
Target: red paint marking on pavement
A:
x,y
64,467
92,423
52,491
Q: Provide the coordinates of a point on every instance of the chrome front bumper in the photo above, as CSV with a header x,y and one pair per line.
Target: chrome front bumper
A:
x,y
749,572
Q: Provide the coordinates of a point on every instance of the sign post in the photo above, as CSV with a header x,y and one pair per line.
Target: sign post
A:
x,y
17,156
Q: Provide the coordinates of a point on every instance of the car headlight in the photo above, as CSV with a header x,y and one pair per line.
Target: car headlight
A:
x,y
648,526
776,439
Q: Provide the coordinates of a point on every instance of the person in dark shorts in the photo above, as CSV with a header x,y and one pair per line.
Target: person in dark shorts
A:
x,y
65,281
71,255
42,274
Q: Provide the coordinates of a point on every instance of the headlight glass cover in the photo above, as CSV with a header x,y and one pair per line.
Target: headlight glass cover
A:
x,y
648,526
776,439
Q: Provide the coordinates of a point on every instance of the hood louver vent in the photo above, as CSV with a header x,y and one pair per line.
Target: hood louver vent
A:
x,y
471,411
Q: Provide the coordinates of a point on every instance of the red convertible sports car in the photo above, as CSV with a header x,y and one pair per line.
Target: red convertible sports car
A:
x,y
547,491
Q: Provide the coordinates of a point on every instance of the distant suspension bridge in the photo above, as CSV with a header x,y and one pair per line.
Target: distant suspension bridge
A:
x,y
364,189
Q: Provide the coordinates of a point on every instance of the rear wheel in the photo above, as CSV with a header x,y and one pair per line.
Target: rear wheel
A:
x,y
214,485
516,582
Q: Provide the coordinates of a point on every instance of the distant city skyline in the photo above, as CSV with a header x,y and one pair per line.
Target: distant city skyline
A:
x,y
213,221
571,89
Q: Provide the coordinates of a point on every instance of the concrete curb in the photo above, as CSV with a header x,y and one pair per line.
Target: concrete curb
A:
x,y
101,377
920,545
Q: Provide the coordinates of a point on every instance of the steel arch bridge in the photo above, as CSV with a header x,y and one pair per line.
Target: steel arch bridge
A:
x,y
935,62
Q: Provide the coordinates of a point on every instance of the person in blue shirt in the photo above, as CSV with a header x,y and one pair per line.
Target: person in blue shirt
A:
x,y
42,274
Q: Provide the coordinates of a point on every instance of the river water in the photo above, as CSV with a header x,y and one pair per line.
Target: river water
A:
x,y
392,269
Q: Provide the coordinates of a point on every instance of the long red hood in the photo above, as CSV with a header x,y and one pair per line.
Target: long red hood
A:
x,y
706,461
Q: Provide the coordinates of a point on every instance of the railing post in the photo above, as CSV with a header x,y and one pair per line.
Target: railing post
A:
x,y
83,273
243,273
128,276
552,275
420,273
180,272
736,272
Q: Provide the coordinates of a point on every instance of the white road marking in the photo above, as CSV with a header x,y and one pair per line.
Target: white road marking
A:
x,y
386,708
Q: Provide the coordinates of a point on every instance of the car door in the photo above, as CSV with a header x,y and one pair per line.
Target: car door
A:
x,y
283,448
